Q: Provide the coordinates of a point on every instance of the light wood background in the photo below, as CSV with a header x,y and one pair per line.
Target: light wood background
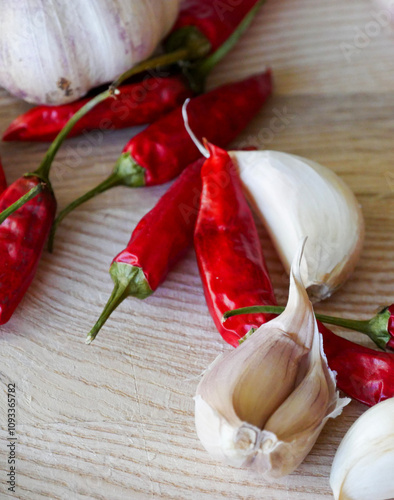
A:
x,y
114,420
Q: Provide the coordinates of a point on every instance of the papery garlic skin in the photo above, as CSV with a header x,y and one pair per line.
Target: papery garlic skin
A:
x,y
53,54
263,405
363,465
298,198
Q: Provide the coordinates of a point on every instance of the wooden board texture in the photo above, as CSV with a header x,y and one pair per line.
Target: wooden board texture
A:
x,y
115,420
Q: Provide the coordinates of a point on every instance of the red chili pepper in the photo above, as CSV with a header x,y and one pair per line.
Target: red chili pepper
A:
x,y
362,373
137,104
23,233
228,250
215,20
159,240
161,151
3,182
22,238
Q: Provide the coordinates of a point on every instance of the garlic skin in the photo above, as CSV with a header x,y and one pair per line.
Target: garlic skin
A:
x,y
364,462
53,54
298,198
263,405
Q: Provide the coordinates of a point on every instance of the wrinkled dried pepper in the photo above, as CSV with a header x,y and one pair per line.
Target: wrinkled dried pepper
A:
x,y
228,249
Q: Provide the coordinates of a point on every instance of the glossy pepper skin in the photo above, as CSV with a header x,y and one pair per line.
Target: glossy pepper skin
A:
x,y
228,250
22,236
390,327
215,20
159,240
164,149
362,373
137,104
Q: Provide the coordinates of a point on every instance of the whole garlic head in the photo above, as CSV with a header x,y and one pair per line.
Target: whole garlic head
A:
x,y
264,404
297,198
53,54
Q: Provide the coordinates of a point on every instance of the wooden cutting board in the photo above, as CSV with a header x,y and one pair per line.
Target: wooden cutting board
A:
x,y
115,420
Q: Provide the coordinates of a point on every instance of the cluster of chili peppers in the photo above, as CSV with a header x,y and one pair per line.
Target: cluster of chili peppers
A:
x,y
205,204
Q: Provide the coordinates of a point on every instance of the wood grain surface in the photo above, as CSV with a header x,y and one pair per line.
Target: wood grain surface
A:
x,y
115,420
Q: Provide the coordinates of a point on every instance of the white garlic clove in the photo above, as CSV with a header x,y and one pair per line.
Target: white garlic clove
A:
x,y
363,465
295,198
250,404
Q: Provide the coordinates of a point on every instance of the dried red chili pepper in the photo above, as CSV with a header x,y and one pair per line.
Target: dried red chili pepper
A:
x,y
23,233
228,249
159,240
137,104
362,373
160,152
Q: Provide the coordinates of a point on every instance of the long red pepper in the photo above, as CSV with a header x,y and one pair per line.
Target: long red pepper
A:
x,y
159,240
228,250
161,151
23,233
201,28
362,373
137,104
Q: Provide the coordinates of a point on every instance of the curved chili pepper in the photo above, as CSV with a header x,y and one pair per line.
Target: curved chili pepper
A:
x,y
161,151
22,236
159,240
362,373
24,232
228,249
215,20
3,182
137,104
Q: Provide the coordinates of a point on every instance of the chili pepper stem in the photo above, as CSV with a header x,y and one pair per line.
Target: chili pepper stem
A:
x,y
375,328
200,70
125,173
129,281
24,199
43,169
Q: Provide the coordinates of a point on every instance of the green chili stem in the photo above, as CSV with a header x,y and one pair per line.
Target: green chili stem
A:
x,y
19,203
206,65
111,181
43,169
118,295
154,62
375,328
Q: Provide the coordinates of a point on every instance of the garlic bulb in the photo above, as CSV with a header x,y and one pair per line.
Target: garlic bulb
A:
x,y
55,53
264,404
298,198
364,462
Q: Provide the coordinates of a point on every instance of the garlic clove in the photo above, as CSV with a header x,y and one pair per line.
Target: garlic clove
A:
x,y
295,198
250,404
364,462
